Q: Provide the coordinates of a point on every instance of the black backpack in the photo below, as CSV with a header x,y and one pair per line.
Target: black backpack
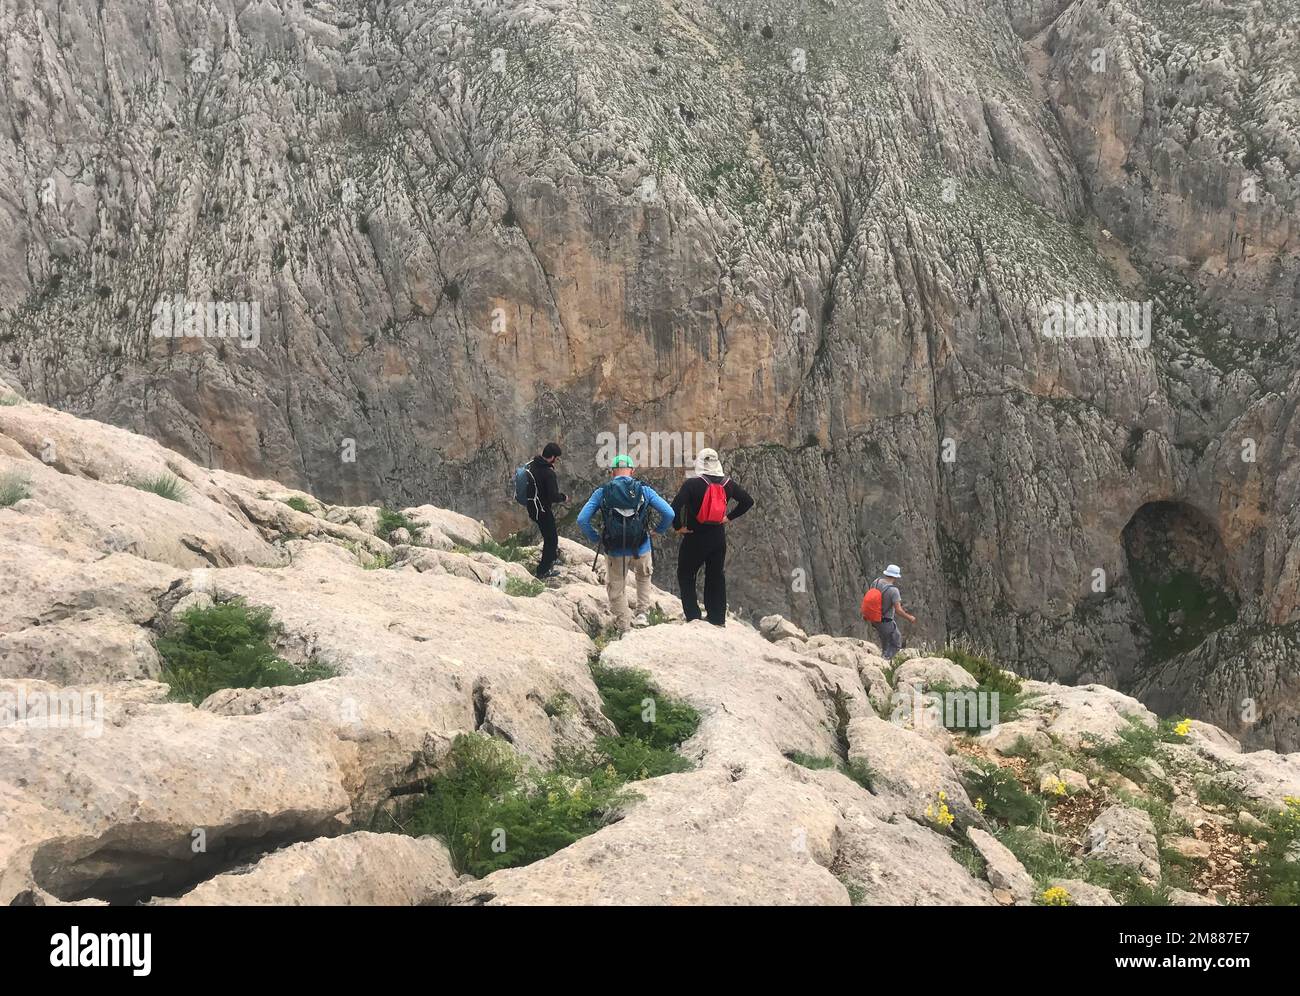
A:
x,y
624,509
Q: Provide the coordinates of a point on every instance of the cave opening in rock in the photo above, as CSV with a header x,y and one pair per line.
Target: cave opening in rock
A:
x,y
1180,576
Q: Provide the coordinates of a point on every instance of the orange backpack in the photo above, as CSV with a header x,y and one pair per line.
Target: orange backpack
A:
x,y
872,607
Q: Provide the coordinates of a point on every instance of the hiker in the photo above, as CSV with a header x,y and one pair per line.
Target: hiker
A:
x,y
702,517
879,604
538,490
625,504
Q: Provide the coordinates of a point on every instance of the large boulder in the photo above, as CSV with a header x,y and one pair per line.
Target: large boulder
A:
x,y
357,869
909,770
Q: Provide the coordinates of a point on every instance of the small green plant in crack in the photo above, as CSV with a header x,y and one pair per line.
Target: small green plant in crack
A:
x,y
559,704
13,489
1128,752
857,894
1023,748
965,854
163,485
376,561
9,400
1274,872
859,771
510,551
524,589
299,504
389,522
656,616
227,645
811,761
1042,857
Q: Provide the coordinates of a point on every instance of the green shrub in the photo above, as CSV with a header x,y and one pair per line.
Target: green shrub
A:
x,y
487,795
164,486
524,589
991,678
390,521
638,710
376,561
628,757
298,504
227,645
9,400
1005,799
13,489
493,812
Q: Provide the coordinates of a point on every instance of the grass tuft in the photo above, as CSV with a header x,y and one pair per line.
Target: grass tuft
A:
x,y
166,486
13,489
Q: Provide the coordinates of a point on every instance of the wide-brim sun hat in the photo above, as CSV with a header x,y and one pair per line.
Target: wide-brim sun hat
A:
x,y
707,462
892,571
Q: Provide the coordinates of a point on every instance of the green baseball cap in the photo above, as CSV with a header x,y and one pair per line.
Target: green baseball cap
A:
x,y
622,460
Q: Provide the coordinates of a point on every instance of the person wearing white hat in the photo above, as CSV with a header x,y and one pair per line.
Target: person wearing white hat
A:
x,y
879,610
701,512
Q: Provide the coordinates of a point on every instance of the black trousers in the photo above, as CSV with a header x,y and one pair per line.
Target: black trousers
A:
x,y
710,556
545,520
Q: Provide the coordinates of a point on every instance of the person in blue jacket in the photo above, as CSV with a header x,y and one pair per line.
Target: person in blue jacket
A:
x,y
625,504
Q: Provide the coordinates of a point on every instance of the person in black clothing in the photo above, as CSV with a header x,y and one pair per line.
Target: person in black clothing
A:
x,y
540,505
704,544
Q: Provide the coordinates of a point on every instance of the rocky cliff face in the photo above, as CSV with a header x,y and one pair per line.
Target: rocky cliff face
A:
x,y
821,234
807,767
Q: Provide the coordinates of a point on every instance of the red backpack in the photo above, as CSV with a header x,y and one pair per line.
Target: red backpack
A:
x,y
713,506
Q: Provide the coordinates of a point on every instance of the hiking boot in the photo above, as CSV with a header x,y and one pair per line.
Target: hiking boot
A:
x,y
640,620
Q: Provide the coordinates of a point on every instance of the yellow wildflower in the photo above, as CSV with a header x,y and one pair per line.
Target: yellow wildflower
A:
x,y
980,805
1056,896
1183,728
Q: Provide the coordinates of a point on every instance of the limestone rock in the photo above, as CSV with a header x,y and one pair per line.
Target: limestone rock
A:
x,y
779,628
927,672
1004,869
1124,836
358,869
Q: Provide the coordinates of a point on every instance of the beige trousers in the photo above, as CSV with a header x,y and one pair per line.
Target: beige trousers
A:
x,y
617,571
